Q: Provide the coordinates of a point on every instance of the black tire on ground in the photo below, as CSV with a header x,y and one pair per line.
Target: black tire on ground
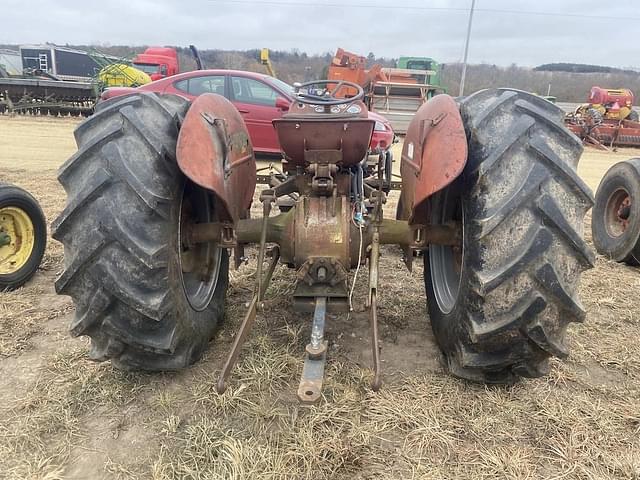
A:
x,y
12,197
633,116
144,300
500,305
615,219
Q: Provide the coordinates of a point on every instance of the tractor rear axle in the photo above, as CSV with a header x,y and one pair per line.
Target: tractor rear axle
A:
x,y
392,232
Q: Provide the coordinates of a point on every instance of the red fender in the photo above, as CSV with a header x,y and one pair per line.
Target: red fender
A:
x,y
433,155
215,152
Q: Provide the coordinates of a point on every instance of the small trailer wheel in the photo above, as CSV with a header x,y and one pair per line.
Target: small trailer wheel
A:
x,y
615,221
23,236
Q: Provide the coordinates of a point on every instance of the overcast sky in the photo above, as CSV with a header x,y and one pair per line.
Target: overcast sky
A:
x,y
581,31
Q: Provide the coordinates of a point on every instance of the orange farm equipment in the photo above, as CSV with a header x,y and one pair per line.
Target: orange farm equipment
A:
x,y
396,93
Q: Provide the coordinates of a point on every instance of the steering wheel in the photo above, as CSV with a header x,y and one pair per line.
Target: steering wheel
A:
x,y
329,98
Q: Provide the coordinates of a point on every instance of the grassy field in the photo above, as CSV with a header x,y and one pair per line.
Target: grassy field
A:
x,y
63,416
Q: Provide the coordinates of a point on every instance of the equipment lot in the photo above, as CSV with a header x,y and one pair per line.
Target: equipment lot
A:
x,y
62,416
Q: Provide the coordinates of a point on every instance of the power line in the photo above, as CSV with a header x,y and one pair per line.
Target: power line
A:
x,y
338,5
422,8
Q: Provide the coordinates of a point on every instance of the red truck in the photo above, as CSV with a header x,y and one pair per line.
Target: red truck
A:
x,y
158,62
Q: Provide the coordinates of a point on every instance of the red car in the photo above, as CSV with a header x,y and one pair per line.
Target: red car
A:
x,y
259,98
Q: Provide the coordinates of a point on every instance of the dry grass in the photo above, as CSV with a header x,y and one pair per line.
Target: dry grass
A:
x,y
62,416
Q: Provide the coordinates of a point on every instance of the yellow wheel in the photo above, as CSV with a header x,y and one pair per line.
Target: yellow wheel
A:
x,y
22,236
16,239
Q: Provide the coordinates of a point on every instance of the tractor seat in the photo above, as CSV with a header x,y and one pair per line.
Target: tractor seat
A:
x,y
340,140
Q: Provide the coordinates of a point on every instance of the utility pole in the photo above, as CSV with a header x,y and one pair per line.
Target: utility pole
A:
x,y
466,49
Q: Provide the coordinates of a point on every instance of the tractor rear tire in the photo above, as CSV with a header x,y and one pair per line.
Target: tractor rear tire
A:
x,y
615,220
125,259
23,229
500,304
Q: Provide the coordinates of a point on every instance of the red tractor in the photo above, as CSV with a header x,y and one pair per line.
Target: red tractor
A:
x,y
159,194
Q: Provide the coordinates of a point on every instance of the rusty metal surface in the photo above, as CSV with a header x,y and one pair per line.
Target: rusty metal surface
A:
x,y
310,388
215,152
241,336
350,136
374,260
320,233
247,323
400,232
609,133
433,155
376,381
266,210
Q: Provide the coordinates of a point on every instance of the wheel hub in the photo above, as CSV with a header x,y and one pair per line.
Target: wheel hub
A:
x,y
446,261
199,262
617,212
16,239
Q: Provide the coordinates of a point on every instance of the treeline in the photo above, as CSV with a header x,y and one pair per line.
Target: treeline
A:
x,y
580,68
295,66
567,87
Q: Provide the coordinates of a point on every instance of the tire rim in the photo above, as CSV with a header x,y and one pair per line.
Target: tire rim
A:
x,y
446,261
617,211
17,239
199,264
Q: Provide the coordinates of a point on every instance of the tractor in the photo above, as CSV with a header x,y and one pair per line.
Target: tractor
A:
x,y
159,196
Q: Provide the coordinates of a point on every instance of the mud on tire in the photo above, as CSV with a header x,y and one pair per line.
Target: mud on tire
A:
x,y
121,235
500,305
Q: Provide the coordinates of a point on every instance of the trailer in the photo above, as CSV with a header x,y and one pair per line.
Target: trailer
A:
x,y
60,62
10,63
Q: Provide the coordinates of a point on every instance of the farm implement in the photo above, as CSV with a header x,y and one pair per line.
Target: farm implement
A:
x,y
396,93
159,194
54,80
608,120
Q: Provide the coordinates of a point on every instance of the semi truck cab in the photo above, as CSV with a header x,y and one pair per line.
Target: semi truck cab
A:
x,y
158,62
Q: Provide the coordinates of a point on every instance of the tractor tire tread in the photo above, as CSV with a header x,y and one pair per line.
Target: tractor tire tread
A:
x,y
121,186
520,301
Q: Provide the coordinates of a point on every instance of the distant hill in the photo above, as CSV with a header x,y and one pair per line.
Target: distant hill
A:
x,y
566,86
580,68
